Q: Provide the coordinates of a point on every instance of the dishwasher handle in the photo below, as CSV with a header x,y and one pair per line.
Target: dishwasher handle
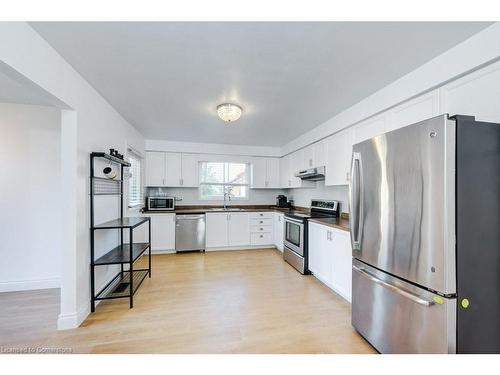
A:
x,y
190,217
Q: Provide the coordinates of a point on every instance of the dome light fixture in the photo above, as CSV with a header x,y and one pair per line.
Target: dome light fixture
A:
x,y
229,112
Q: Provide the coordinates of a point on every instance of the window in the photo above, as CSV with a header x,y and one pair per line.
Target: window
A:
x,y
217,178
134,179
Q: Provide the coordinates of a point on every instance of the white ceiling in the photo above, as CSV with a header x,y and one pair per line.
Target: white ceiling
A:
x,y
15,88
167,78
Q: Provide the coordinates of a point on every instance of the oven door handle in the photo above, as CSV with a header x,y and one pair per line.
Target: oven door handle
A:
x,y
295,221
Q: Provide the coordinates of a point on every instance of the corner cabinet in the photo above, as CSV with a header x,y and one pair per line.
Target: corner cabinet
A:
x,y
265,173
289,166
171,169
330,258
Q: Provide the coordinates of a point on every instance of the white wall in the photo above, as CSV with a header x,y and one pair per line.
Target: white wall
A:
x,y
98,128
190,196
30,224
302,197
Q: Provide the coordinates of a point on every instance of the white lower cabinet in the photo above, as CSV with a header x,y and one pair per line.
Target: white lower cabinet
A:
x,y
238,229
278,230
227,229
162,232
217,230
330,258
261,229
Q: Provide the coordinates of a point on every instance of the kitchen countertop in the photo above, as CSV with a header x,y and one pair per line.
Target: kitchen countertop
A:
x,y
205,209
339,223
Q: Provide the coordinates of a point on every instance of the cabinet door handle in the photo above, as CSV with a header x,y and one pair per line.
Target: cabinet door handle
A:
x,y
261,236
347,176
181,181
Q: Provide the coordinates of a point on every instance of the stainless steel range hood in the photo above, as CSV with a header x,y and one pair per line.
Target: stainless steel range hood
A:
x,y
312,174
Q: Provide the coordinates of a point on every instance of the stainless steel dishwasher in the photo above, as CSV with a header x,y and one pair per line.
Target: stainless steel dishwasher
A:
x,y
189,232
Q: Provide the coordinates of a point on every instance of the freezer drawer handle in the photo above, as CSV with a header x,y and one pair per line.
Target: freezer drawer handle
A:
x,y
395,289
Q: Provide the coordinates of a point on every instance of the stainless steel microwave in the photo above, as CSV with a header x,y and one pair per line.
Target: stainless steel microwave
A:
x,y
161,203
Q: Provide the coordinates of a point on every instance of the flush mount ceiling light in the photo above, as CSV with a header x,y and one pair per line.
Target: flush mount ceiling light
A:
x,y
229,112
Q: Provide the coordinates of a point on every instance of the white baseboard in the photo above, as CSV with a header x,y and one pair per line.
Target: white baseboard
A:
x,y
18,285
154,252
240,248
158,252
73,320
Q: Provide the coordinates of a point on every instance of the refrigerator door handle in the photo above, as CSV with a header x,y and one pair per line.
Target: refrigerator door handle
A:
x,y
356,201
393,288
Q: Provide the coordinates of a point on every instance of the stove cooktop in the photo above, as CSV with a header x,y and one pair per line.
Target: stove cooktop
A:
x,y
319,208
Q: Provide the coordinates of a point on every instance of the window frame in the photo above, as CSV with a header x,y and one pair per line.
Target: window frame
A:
x,y
223,184
133,154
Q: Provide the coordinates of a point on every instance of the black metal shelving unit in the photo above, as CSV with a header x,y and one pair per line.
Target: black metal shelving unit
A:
x,y
126,282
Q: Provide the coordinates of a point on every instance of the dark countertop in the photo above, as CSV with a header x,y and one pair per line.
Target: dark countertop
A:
x,y
338,223
205,209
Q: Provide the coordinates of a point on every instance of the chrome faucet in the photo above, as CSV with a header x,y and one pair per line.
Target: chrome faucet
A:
x,y
227,194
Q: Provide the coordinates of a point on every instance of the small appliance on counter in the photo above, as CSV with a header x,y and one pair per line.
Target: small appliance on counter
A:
x,y
296,227
160,203
282,202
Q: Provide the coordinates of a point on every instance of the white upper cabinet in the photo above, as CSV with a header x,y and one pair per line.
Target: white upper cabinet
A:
x,y
273,173
477,94
266,173
171,169
309,157
289,166
259,175
174,168
297,164
338,161
370,128
285,181
190,170
319,153
155,169
418,109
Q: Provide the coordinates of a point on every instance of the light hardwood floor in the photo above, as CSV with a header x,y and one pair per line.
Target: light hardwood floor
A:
x,y
219,302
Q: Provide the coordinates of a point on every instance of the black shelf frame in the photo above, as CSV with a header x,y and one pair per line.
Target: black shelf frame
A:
x,y
126,282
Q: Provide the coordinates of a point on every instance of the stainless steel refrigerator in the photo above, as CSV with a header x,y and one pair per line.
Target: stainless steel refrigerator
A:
x,y
425,224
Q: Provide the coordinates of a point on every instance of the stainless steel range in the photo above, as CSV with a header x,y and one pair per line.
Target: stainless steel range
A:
x,y
295,232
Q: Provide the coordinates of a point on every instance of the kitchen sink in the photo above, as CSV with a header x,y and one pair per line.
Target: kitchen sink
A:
x,y
227,209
